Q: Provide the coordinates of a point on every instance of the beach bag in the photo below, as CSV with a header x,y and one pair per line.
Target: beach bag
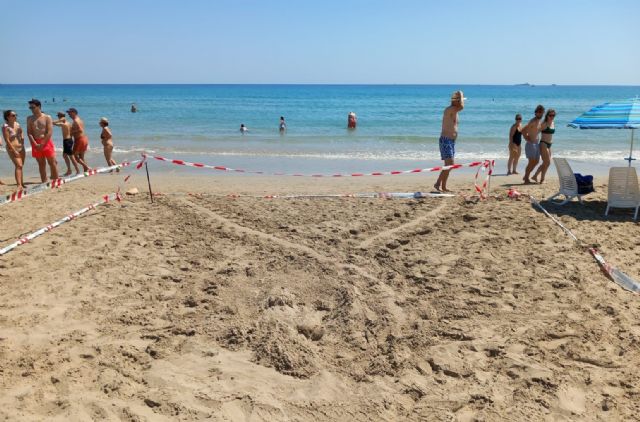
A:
x,y
585,183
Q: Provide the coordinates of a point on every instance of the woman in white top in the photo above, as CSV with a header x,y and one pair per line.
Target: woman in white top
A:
x,y
14,140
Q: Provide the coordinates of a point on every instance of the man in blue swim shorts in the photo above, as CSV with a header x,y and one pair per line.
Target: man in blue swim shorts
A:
x,y
448,137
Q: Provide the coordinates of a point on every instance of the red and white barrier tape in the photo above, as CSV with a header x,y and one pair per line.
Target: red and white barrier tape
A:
x,y
622,279
383,195
379,173
483,189
48,228
43,187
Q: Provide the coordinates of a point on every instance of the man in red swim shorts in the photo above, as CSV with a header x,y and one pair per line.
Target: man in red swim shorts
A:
x,y
40,131
80,139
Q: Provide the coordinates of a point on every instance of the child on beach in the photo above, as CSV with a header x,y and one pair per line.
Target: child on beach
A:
x,y
448,137
67,143
515,140
14,140
107,141
243,128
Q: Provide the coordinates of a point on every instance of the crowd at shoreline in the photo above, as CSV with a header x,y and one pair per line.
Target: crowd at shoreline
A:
x,y
75,142
538,134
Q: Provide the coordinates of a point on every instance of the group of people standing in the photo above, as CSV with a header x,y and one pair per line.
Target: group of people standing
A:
x,y
75,142
538,134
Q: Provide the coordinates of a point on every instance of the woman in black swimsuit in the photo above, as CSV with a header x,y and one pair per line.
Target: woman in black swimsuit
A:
x,y
515,139
546,140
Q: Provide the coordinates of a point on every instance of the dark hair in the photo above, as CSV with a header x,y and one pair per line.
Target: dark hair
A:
x,y
546,116
518,116
7,113
35,102
281,117
540,108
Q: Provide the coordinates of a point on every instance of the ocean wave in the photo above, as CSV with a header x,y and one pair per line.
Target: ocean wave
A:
x,y
427,155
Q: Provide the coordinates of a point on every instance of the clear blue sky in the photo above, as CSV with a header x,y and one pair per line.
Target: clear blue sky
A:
x,y
323,41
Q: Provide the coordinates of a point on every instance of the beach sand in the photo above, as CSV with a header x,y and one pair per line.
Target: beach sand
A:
x,y
208,307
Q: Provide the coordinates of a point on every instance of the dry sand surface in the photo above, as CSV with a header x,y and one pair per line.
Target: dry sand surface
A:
x,y
249,309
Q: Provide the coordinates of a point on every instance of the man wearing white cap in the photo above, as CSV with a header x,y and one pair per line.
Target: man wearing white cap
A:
x,y
448,137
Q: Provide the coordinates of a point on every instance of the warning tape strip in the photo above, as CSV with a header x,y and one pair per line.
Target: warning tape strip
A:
x,y
48,228
54,184
622,279
483,189
384,195
378,173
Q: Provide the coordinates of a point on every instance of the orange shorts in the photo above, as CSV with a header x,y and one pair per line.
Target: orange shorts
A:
x,y
47,151
80,144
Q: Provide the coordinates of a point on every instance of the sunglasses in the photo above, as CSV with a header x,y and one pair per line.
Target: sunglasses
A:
x,y
552,115
31,107
518,119
13,115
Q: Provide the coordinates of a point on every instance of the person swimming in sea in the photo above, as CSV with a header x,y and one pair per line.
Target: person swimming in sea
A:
x,y
352,120
243,128
282,126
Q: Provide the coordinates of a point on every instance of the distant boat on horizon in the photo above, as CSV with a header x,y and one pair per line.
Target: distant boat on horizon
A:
x,y
524,84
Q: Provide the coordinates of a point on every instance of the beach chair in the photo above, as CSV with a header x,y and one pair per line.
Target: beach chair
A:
x,y
567,181
624,191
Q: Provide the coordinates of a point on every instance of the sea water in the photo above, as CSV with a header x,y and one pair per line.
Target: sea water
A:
x,y
398,125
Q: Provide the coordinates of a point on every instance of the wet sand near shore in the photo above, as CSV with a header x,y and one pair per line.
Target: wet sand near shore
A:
x,y
209,307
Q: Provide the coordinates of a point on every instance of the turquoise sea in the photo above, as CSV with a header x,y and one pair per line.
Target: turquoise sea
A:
x,y
398,125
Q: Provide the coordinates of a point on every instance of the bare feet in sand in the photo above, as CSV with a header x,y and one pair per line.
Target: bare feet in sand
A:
x,y
68,173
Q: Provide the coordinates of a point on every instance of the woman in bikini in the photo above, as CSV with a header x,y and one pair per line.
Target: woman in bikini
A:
x,y
14,140
515,150
107,141
548,128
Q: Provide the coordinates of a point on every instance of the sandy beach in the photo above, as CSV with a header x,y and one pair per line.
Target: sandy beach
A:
x,y
205,307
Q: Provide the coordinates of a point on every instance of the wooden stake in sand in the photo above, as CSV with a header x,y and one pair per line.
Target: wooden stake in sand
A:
x,y
148,181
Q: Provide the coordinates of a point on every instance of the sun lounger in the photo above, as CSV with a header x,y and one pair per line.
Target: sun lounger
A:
x,y
567,181
624,191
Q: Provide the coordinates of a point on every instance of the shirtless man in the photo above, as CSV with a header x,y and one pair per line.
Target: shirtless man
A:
x,y
67,143
448,137
39,132
80,139
532,149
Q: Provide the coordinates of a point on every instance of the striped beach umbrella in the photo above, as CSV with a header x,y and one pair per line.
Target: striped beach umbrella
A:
x,y
617,115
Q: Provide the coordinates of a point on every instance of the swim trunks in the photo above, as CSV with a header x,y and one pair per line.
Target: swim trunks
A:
x,y
47,151
67,146
81,144
532,151
447,148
